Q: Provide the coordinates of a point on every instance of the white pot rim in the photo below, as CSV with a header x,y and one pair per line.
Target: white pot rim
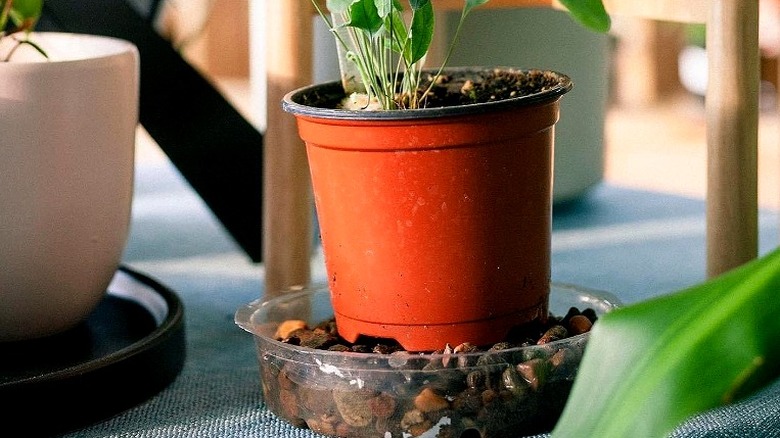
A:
x,y
63,47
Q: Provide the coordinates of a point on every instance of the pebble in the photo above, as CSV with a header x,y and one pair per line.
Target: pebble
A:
x,y
468,402
289,402
398,359
476,379
412,418
514,382
429,401
289,326
382,406
481,394
554,333
534,372
462,351
579,324
316,339
354,407
339,348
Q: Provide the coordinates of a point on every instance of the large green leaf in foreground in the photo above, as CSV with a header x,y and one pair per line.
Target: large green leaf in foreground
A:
x,y
651,365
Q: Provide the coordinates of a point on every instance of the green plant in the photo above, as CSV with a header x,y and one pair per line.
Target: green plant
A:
x,y
19,17
383,54
651,365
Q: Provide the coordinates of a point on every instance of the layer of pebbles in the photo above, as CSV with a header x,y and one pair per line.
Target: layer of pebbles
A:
x,y
508,389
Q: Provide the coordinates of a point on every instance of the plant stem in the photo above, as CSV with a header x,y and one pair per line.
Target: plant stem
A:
x,y
450,49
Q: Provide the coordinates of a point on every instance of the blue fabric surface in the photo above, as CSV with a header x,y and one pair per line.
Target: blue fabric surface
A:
x,y
631,243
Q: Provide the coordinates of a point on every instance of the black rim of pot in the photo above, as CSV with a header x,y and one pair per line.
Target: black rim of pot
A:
x,y
333,92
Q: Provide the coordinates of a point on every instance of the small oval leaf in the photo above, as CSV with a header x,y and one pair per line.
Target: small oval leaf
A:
x,y
590,13
364,15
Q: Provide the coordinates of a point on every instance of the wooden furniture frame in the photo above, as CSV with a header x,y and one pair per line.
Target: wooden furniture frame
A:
x,y
732,127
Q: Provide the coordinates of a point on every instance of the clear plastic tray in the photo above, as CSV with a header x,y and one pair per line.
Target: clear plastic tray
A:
x,y
487,394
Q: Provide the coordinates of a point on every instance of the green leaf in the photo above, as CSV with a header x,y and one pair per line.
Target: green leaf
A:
x,y
419,4
421,33
384,7
25,13
471,4
28,8
364,15
400,36
339,6
590,13
651,365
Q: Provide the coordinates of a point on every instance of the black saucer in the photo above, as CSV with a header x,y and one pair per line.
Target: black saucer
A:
x,y
129,348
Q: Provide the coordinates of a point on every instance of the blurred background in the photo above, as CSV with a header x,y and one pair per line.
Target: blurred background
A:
x,y
635,118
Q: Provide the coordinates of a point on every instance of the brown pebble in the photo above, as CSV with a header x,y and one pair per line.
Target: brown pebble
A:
x,y
343,429
476,379
382,406
317,339
488,396
513,382
353,407
328,326
501,346
555,333
560,357
385,349
465,348
287,327
316,400
360,348
412,418
446,356
420,428
468,401
564,363
428,401
462,351
322,427
398,359
534,372
579,324
289,403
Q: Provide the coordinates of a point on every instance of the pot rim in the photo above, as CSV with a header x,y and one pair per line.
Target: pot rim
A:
x,y
291,101
69,48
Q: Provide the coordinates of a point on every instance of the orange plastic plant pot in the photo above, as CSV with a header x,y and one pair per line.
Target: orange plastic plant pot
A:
x,y
435,224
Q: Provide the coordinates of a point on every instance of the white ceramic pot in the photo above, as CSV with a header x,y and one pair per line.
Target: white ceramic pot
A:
x,y
67,138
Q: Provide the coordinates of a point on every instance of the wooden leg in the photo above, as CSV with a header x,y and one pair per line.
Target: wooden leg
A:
x,y
732,134
287,222
646,60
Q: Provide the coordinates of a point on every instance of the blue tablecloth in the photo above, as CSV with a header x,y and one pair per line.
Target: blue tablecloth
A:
x,y
632,243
